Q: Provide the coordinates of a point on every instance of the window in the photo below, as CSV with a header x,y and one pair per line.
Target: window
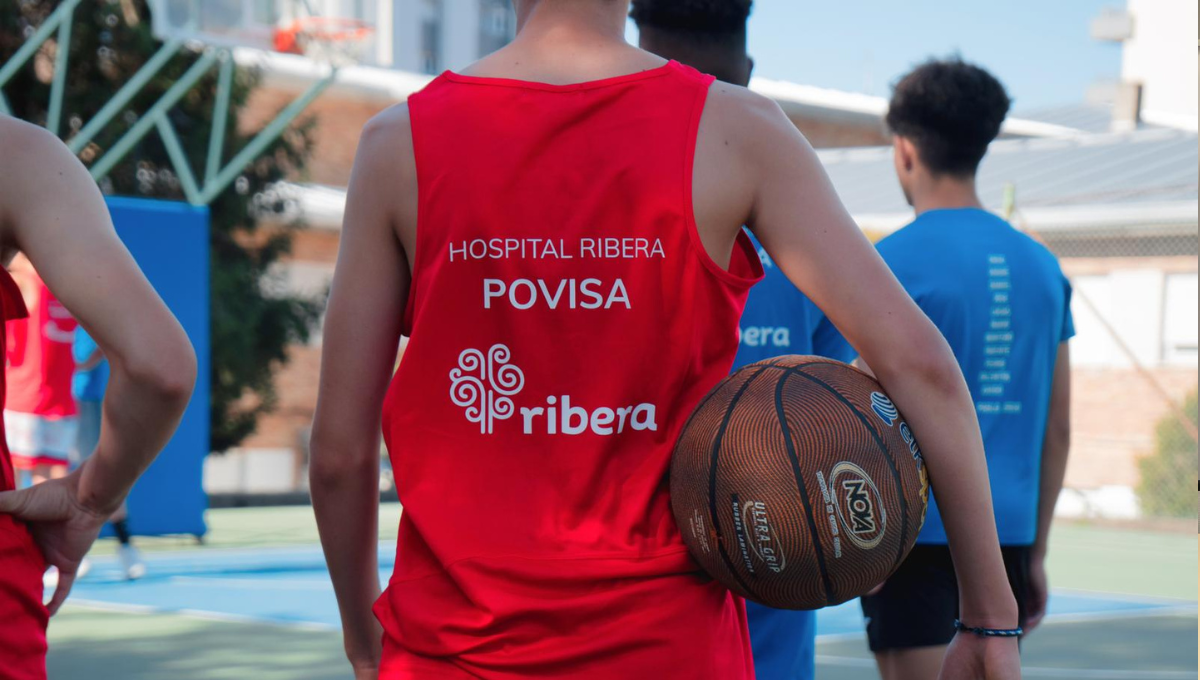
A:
x,y
1180,320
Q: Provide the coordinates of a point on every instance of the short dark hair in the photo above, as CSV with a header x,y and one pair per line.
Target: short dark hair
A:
x,y
713,19
951,110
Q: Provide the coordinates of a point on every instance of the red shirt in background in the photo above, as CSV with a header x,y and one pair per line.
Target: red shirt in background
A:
x,y
40,362
23,617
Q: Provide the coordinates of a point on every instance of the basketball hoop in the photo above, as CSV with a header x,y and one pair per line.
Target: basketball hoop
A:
x,y
336,40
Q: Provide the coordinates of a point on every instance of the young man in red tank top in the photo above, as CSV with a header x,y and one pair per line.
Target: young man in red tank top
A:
x,y
571,290
52,212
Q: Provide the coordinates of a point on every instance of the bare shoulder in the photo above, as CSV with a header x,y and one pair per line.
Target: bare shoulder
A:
x,y
384,181
387,133
744,115
37,172
19,136
742,133
30,154
385,150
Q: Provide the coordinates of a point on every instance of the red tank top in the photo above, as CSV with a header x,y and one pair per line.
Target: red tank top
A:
x,y
40,361
12,308
23,617
564,319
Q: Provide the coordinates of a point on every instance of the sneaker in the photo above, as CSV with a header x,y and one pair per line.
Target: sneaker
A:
x,y
131,562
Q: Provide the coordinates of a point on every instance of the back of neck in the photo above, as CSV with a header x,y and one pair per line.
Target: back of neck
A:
x,y
565,41
947,194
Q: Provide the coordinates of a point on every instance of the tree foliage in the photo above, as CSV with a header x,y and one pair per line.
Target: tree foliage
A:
x,y
1168,474
252,323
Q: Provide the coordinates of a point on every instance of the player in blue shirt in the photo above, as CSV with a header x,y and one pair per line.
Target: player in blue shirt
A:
x,y
711,37
88,385
1003,304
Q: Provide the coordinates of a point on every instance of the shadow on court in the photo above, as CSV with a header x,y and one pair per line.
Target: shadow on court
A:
x,y
126,646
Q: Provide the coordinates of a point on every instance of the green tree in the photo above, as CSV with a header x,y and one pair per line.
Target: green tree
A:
x,y
1167,476
251,326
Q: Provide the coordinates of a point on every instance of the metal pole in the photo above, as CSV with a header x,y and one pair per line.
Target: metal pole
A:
x,y
148,120
122,97
216,139
263,138
178,158
1010,200
63,13
62,51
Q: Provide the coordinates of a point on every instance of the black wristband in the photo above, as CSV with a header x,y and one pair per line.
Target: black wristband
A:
x,y
989,632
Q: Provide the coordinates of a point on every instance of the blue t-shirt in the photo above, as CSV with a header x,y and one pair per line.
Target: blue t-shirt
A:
x,y
1003,304
88,385
779,319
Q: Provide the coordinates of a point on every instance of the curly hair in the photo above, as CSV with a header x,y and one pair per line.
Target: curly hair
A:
x,y
951,110
715,17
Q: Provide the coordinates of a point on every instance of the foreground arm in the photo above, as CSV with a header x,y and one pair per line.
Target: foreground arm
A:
x,y
1054,468
801,222
54,213
362,333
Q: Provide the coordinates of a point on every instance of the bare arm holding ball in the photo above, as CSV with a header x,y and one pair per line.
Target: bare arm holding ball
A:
x,y
753,167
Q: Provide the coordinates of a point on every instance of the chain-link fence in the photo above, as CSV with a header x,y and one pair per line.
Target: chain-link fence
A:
x,y
1134,415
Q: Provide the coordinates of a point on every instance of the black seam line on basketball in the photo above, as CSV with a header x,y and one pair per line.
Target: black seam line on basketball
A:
x,y
887,455
775,364
795,460
717,388
712,482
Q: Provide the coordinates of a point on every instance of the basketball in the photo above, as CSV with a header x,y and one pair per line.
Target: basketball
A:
x,y
797,483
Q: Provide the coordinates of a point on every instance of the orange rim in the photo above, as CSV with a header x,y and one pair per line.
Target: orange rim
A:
x,y
337,29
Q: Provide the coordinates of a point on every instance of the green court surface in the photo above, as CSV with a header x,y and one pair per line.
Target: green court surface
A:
x,y
1140,624
1138,648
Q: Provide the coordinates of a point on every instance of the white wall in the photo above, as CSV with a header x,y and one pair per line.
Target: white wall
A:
x,y
1153,313
1160,56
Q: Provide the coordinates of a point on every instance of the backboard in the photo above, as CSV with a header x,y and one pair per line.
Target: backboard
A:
x,y
256,24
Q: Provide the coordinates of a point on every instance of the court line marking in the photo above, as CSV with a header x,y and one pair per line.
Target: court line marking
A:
x,y
268,583
121,608
1038,671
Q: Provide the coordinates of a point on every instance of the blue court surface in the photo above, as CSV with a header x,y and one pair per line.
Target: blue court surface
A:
x,y
290,587
256,602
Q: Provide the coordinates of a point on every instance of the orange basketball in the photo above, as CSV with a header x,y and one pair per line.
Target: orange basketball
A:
x,y
797,483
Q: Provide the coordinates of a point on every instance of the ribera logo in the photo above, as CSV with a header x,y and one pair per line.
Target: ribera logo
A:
x,y
484,384
884,408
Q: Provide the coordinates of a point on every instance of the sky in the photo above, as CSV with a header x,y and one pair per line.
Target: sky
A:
x,y
1040,49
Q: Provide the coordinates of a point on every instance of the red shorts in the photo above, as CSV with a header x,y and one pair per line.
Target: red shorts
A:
x,y
39,440
23,616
